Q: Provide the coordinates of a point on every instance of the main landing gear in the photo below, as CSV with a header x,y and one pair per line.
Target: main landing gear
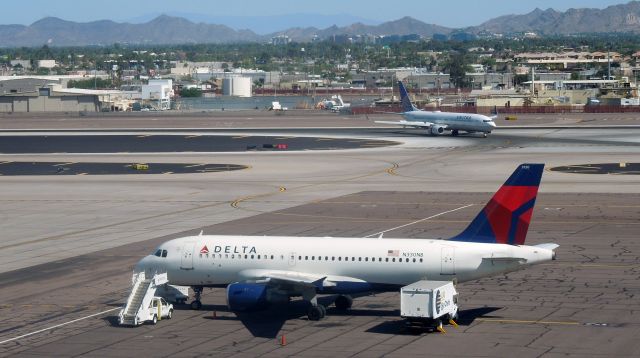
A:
x,y
454,133
196,304
317,311
343,303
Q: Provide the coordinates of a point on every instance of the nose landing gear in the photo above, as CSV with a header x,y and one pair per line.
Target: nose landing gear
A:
x,y
196,304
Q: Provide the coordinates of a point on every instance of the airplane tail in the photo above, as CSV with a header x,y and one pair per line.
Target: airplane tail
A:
x,y
505,219
407,106
494,113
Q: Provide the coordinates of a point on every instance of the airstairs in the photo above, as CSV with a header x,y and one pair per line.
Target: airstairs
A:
x,y
143,291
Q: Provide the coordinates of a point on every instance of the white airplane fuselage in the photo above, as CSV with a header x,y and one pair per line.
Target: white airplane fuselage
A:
x,y
353,264
469,122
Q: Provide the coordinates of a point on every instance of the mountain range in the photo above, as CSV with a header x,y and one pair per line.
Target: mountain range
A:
x,y
166,29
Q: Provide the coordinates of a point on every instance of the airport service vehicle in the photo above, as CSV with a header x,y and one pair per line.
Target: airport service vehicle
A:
x,y
143,305
158,309
257,271
437,123
428,303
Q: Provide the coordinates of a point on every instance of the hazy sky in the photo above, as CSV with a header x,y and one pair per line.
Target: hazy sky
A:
x,y
452,13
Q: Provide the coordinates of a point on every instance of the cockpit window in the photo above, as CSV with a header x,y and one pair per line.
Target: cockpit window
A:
x,y
487,120
158,253
164,253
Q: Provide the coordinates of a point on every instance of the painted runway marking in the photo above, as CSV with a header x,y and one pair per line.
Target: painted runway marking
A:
x,y
241,136
195,165
58,325
418,221
498,320
5,163
63,164
192,136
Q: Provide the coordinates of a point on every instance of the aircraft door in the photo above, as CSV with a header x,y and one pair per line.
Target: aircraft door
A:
x,y
448,261
186,263
292,259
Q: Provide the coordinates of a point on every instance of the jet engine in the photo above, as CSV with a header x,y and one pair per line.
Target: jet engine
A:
x,y
436,130
252,296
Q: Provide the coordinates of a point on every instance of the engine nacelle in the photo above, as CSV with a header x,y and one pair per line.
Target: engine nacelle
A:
x,y
436,130
247,296
252,296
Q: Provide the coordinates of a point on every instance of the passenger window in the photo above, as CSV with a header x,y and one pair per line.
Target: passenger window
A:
x,y
333,258
272,257
359,258
226,256
313,258
386,259
366,259
414,260
420,260
393,259
299,258
258,257
246,256
306,258
252,257
353,259
339,258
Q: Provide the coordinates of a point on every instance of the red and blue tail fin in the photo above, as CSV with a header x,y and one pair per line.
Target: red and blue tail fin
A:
x,y
505,219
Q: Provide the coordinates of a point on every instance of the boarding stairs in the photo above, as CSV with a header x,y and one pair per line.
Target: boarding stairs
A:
x,y
144,289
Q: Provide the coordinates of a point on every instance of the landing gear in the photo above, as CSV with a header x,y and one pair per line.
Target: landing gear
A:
x,y
484,135
454,133
316,313
343,303
196,304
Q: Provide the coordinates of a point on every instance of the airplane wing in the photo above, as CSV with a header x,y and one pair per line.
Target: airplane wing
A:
x,y
414,124
294,280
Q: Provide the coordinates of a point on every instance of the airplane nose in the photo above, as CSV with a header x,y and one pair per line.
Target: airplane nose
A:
x,y
493,124
144,264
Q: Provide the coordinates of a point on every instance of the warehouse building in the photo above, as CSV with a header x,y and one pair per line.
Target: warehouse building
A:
x,y
41,95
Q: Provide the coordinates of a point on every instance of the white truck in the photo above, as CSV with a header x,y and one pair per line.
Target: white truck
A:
x,y
427,303
158,309
144,303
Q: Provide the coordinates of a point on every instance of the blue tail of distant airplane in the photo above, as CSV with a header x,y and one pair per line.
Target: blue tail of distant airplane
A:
x,y
407,106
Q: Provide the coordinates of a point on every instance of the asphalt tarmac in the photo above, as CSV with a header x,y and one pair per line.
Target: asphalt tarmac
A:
x,y
73,168
145,143
583,304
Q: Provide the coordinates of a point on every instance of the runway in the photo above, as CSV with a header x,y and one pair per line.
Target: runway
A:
x,y
69,243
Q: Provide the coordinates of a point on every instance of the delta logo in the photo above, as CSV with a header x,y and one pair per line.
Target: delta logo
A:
x,y
204,250
439,302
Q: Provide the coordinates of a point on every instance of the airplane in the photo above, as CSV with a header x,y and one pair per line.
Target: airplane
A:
x,y
259,271
437,122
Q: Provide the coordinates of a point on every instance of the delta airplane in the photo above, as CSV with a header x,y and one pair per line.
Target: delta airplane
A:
x,y
437,122
258,271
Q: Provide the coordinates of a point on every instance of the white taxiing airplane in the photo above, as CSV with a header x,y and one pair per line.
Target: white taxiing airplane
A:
x,y
258,271
437,123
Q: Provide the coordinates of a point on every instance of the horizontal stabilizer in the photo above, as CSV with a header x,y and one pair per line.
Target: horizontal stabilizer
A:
x,y
549,246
